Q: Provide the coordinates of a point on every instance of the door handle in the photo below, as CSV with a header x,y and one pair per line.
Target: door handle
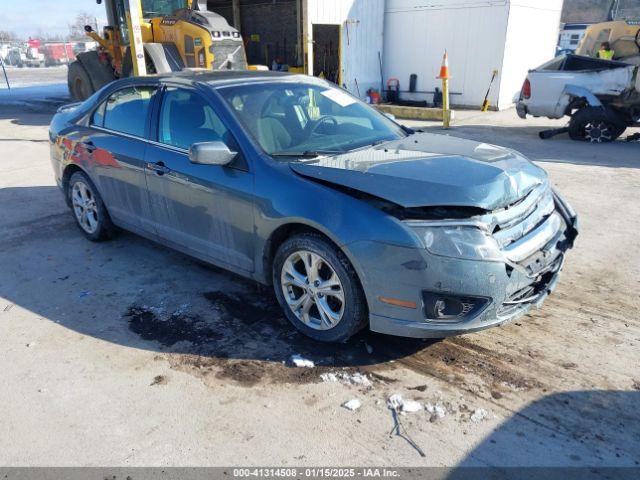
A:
x,y
160,168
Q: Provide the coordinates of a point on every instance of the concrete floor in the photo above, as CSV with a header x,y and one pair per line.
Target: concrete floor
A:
x,y
200,377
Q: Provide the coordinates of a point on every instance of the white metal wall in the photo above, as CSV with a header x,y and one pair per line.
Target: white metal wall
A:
x,y
532,35
417,32
511,36
364,20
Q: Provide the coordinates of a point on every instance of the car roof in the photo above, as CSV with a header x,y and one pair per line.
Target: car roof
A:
x,y
224,77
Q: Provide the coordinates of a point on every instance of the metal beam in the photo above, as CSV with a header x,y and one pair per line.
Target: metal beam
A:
x,y
236,15
134,21
299,39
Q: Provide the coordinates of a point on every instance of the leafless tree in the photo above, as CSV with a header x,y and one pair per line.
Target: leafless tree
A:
x,y
76,29
6,36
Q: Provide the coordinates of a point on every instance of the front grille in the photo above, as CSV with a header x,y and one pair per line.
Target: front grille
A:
x,y
524,228
228,55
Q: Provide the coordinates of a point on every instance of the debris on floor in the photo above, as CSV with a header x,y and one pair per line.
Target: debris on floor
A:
x,y
353,404
396,404
479,415
437,411
301,362
158,380
399,404
419,388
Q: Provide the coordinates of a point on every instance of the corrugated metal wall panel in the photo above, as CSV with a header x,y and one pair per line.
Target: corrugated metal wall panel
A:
x,y
417,32
362,23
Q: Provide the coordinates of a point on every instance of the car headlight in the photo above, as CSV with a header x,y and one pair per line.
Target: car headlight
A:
x,y
458,241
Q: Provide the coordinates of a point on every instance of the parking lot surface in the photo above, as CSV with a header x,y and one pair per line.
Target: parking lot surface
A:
x,y
126,353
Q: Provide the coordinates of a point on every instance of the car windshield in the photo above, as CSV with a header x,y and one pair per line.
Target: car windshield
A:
x,y
306,119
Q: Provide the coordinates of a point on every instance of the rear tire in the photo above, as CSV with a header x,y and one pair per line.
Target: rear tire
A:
x,y
596,125
325,303
80,86
88,209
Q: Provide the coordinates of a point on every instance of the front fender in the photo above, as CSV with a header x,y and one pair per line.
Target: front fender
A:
x,y
285,198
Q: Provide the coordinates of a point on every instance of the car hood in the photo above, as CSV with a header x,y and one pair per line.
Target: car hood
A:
x,y
431,170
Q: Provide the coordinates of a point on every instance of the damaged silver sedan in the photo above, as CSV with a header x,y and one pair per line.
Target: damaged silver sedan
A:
x,y
355,220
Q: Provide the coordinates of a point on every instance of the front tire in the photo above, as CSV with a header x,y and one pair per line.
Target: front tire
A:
x,y
80,86
88,209
318,289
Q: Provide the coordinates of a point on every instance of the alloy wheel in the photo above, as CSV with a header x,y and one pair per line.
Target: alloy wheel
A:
x,y
312,289
84,207
598,132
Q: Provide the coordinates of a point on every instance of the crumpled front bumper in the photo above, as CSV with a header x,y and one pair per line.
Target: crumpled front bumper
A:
x,y
390,271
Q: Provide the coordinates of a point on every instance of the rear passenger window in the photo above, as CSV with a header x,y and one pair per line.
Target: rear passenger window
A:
x,y
126,110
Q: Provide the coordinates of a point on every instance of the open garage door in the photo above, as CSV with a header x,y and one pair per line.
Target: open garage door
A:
x,y
340,39
272,30
326,52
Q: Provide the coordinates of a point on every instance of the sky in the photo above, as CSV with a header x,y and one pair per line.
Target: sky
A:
x,y
29,17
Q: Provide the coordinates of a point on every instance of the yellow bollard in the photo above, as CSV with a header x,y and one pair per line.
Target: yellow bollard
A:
x,y
444,76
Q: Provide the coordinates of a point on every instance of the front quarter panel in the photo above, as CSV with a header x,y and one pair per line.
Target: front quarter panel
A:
x,y
284,197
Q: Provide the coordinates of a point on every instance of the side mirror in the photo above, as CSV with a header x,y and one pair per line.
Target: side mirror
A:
x,y
390,116
211,153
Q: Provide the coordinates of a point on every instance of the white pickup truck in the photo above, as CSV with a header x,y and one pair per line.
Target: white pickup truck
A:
x,y
602,97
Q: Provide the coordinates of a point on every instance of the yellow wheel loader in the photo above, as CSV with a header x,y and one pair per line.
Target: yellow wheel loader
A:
x,y
168,36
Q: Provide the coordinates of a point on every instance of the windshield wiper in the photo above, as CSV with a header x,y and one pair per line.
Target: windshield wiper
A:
x,y
306,153
369,145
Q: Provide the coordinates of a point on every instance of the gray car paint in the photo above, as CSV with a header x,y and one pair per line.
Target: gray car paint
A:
x,y
432,170
230,216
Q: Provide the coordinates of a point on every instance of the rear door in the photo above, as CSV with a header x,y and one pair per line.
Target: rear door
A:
x,y
206,210
120,128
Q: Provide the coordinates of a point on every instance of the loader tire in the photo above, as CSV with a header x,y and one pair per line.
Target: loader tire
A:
x,y
596,125
80,86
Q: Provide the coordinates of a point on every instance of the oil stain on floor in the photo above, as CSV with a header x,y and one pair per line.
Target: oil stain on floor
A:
x,y
245,338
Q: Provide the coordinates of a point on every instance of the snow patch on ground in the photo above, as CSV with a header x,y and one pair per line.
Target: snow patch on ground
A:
x,y
479,415
357,379
301,362
353,404
38,93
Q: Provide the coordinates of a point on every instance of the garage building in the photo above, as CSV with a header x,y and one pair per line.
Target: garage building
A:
x,y
361,44
340,39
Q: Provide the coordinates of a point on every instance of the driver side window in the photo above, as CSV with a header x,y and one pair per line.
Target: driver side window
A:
x,y
187,118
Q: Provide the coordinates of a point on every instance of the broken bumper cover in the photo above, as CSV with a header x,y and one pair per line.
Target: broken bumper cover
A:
x,y
469,295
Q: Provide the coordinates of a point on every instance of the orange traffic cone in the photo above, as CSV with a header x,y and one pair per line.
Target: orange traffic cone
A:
x,y
444,69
